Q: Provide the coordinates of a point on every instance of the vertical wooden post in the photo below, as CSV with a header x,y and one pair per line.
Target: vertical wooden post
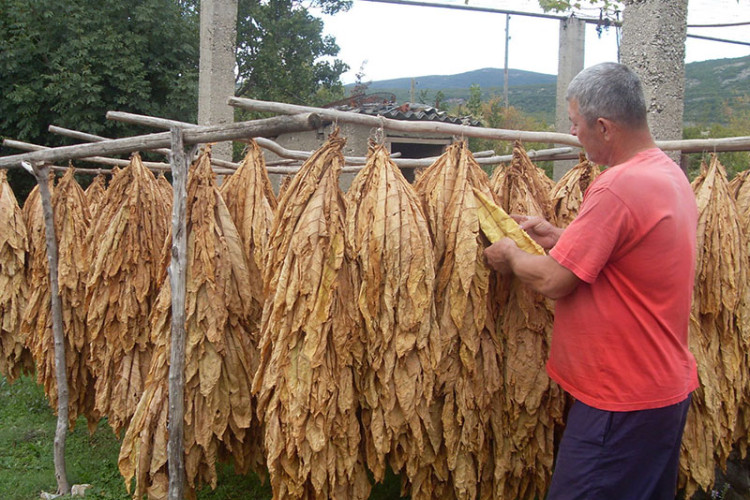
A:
x,y
177,280
61,432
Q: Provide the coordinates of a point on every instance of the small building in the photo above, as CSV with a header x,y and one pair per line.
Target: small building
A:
x,y
399,144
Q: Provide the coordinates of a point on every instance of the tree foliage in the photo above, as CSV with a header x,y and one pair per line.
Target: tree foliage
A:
x,y
737,113
566,5
69,62
282,54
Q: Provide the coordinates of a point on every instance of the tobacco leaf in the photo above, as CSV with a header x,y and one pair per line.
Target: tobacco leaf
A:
x,y
95,195
390,238
522,186
15,358
217,403
311,342
125,245
71,221
567,195
469,376
533,405
719,338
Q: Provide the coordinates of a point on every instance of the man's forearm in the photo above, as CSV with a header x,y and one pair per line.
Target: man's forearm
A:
x,y
542,274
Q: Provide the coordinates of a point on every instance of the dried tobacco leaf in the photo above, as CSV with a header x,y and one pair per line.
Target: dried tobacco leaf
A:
x,y
251,203
311,344
95,195
567,194
166,189
719,335
390,238
523,186
469,375
71,217
285,182
496,224
532,404
125,245
218,407
740,189
15,358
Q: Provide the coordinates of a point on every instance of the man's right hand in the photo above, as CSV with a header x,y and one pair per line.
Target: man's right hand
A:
x,y
539,229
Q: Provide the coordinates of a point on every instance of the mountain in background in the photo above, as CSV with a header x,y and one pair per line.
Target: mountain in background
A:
x,y
485,77
710,86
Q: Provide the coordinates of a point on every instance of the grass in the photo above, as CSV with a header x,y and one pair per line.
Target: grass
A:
x,y
27,431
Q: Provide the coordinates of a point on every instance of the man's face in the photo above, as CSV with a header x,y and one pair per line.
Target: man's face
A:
x,y
587,133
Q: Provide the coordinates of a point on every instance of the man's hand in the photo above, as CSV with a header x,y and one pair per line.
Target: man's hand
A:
x,y
498,255
539,229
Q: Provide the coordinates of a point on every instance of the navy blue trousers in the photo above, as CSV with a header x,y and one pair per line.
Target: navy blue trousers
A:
x,y
607,455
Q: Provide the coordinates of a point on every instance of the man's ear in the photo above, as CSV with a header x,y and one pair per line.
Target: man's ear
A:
x,y
605,127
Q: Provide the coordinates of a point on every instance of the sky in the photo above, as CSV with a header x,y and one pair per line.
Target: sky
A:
x,y
394,41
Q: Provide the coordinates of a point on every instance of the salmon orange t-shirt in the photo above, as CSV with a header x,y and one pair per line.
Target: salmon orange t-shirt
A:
x,y
620,339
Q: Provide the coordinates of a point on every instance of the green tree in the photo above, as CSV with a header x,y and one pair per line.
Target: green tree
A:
x,y
439,98
475,101
282,54
565,5
69,62
738,125
493,114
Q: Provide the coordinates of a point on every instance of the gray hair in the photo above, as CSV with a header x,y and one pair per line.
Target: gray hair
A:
x,y
609,90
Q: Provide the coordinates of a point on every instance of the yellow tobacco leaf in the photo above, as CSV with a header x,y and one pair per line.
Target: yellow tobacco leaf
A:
x,y
567,195
15,358
497,224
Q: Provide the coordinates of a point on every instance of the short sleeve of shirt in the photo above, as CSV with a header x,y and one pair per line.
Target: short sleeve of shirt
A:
x,y
590,241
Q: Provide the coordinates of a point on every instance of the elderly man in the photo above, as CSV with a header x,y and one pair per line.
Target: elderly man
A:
x,y
622,273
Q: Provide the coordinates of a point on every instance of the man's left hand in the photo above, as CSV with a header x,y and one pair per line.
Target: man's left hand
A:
x,y
498,255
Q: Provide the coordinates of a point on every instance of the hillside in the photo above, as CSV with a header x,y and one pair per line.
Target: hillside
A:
x,y
710,86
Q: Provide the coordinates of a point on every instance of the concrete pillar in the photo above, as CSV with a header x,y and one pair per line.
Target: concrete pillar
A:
x,y
570,63
217,61
653,45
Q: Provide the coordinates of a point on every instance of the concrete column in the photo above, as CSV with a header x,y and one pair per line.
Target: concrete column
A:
x,y
570,63
217,61
653,45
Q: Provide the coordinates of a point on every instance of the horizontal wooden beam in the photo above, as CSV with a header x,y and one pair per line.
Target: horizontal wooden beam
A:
x,y
198,135
423,127
724,144
27,146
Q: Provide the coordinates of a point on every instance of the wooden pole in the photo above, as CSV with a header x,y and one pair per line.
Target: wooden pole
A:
x,y
482,157
686,146
42,178
177,279
268,126
505,69
27,146
83,136
426,127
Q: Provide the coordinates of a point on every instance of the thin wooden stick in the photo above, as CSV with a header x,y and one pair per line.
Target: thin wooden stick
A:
x,y
27,146
177,277
428,127
482,157
267,126
83,136
723,144
42,178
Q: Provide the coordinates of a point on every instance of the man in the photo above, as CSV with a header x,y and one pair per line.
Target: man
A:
x,y
622,273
